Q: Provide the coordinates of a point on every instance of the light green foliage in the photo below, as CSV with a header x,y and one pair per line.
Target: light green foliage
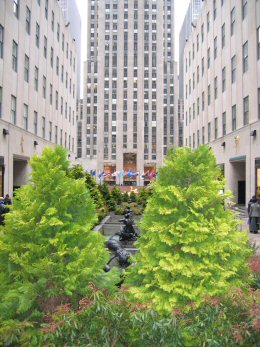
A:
x,y
189,245
117,195
48,253
109,199
78,172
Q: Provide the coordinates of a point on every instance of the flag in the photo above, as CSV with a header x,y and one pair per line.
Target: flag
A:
x,y
122,173
94,172
145,175
101,174
114,174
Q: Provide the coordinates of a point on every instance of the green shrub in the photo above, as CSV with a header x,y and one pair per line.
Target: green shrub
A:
x,y
105,319
119,211
190,245
48,252
77,172
132,196
117,195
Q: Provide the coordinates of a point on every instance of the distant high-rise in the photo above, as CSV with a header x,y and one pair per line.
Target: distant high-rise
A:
x,y
73,22
130,113
189,23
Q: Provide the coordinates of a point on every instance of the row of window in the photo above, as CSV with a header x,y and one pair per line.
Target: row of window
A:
x,y
224,122
233,73
244,7
13,110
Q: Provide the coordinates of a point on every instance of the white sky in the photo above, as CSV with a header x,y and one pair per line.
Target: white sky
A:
x,y
180,11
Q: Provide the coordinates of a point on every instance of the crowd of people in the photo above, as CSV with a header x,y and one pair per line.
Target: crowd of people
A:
x,y
253,210
4,203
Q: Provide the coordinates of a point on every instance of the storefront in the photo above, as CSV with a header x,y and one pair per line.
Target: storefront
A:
x,y
257,176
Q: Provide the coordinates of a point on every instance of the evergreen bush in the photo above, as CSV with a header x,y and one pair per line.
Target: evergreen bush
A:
x,y
77,172
48,253
190,245
117,195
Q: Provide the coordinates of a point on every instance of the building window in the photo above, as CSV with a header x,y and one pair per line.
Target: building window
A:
x,y
223,36
50,131
215,87
224,124
37,35
61,137
52,21
1,41
36,78
202,66
1,101
51,92
234,117
13,109
215,47
214,9
16,8
223,79
46,9
208,57
202,33
26,68
203,136
58,32
43,127
28,20
258,103
35,122
45,47
203,101
245,57
246,110
57,101
57,66
209,131
14,56
25,117
244,9
257,36
44,87
56,134
233,69
216,127
232,21
51,57
208,94
208,22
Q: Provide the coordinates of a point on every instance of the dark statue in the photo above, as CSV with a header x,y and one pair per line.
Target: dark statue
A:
x,y
120,254
127,231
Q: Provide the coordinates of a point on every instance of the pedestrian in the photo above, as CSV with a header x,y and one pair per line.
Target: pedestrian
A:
x,y
2,210
251,201
254,213
7,200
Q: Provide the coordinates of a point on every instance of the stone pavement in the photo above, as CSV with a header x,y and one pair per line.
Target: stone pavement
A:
x,y
255,239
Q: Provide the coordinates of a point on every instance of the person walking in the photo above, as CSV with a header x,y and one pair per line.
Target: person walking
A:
x,y
2,210
251,201
254,214
7,200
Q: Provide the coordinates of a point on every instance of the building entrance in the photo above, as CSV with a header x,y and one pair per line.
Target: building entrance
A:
x,y
241,199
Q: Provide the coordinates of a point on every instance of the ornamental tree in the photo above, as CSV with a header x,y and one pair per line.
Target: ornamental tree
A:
x,y
77,172
190,246
48,253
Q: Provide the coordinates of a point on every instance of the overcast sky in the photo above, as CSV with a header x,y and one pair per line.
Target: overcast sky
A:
x,y
180,11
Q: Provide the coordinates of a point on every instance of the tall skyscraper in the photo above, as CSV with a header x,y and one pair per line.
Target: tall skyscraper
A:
x,y
130,90
189,23
73,23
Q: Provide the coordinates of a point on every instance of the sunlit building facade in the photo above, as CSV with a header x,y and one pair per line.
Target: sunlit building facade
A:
x,y
222,91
